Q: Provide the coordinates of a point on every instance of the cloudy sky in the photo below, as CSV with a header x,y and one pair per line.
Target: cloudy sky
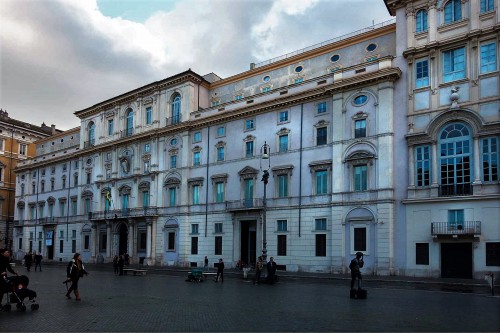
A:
x,y
61,56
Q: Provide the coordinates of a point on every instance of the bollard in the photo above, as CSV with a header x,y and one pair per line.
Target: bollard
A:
x,y
490,277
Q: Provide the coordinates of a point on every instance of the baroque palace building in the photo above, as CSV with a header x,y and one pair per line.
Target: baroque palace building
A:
x,y
451,98
16,144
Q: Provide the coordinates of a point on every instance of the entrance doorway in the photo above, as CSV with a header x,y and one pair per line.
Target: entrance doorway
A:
x,y
248,241
49,241
123,239
456,260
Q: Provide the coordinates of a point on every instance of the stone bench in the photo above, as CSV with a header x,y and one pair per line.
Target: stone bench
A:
x,y
135,271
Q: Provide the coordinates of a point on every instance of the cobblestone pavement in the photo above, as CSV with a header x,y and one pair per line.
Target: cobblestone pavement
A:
x,y
167,303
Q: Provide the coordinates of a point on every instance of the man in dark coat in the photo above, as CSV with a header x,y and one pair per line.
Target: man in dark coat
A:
x,y
38,261
271,270
28,260
355,267
220,271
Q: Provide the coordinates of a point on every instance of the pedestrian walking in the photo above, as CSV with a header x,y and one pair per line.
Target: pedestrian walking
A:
x,y
115,265
271,271
28,261
205,266
126,259
121,262
38,261
259,265
220,271
355,267
74,272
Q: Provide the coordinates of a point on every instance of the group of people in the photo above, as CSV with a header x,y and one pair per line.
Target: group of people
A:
x,y
271,270
119,262
29,258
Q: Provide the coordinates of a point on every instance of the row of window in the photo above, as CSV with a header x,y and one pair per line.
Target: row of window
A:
x,y
454,64
22,147
453,12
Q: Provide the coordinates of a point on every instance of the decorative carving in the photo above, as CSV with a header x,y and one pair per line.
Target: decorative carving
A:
x,y
455,97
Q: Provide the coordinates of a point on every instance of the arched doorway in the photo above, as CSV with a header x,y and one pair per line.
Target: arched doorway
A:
x,y
122,239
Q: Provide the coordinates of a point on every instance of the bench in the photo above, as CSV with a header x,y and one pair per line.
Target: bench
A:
x,y
135,271
208,274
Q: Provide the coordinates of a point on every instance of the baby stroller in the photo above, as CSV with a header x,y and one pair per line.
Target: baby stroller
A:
x,y
16,290
196,275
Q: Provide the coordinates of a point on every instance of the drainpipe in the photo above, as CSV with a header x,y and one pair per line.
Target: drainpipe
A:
x,y
69,193
36,203
10,190
206,187
300,167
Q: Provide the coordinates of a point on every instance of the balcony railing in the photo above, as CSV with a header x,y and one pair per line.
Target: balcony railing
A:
x,y
124,212
455,190
173,120
245,204
459,228
126,133
88,144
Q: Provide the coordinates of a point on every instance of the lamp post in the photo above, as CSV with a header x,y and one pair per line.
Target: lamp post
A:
x,y
264,159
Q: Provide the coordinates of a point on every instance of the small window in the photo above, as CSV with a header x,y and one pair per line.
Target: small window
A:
x,y
493,254
266,78
221,131
321,108
360,100
218,228
149,115
282,225
335,58
238,97
220,153
283,116
266,89
298,69
194,228
421,21
196,158
360,128
371,47
321,136
422,253
320,224
173,142
197,137
173,161
249,124
453,11
147,148
422,73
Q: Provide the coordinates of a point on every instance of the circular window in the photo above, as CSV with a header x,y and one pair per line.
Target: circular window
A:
x,y
360,100
173,142
371,47
298,69
335,58
266,78
52,142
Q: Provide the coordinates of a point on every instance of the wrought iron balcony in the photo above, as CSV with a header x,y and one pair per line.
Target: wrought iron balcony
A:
x,y
255,203
470,228
126,133
455,190
88,144
124,212
173,120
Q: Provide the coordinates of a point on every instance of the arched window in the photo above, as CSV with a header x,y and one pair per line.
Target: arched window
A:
x,y
130,122
91,134
453,11
421,21
176,109
455,152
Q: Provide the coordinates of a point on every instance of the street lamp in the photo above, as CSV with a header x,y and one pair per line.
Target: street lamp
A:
x,y
265,156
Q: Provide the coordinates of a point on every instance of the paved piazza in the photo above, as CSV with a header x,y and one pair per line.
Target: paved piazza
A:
x,y
168,303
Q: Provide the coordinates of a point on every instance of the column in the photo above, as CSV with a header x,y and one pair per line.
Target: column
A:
x,y
435,163
477,165
94,242
109,239
432,17
410,25
411,167
475,8
130,245
148,241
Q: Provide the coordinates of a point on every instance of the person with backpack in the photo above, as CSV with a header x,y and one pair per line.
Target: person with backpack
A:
x,y
74,272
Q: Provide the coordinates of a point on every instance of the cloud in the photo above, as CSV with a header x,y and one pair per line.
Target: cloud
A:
x,y
61,56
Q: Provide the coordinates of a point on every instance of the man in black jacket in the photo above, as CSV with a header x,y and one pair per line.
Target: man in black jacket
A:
x,y
271,270
355,267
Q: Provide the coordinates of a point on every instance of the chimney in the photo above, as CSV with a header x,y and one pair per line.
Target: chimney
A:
x,y
252,65
53,129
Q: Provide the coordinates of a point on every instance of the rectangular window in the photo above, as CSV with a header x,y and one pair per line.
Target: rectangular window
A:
x,y
62,208
51,210
111,127
74,207
249,124
197,137
321,245
249,149
195,228
20,244
173,161
360,128
87,206
359,239
218,245
283,143
218,228
283,116
196,158
61,246
453,64
490,159
73,234
221,131
421,73
194,245
171,241
76,180
145,199
281,250
73,245
172,196
422,253
23,149
321,108
493,254
321,133
146,166
321,182
320,224
486,5
220,153
52,184
488,57
220,197
283,186
360,178
423,166
282,225
149,116
86,242
299,80
196,194
104,241
147,147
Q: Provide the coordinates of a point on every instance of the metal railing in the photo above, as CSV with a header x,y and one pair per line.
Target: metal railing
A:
x,y
173,120
88,144
245,204
126,133
455,190
330,41
124,212
459,228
